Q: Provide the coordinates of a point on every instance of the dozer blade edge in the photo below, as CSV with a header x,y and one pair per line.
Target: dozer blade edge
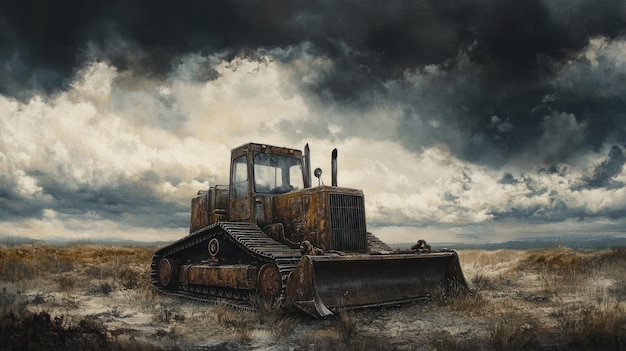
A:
x,y
324,283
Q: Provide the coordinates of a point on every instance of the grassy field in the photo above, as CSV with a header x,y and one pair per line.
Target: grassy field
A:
x,y
99,297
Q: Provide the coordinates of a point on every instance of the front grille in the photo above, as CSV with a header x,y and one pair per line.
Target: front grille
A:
x,y
347,218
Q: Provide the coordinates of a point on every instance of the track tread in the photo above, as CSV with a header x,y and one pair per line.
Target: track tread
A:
x,y
248,237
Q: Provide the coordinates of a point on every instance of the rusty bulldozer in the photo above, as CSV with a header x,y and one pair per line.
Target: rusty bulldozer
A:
x,y
271,233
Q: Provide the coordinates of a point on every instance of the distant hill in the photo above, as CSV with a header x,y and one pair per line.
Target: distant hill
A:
x,y
13,241
583,243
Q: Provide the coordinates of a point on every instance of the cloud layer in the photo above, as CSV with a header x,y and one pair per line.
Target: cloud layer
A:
x,y
474,120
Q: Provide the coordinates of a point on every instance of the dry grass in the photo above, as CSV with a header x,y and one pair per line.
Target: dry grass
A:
x,y
564,270
30,274
271,315
458,299
23,329
512,331
239,321
92,296
587,327
575,300
346,326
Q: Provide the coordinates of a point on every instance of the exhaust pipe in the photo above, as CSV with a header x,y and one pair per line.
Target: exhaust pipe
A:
x,y
334,167
307,166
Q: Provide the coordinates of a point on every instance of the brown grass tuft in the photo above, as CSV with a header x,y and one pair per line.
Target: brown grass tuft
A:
x,y
455,298
512,331
273,316
240,321
346,325
588,327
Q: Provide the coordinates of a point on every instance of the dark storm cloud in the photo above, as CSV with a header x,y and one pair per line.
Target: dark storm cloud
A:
x,y
507,178
40,36
612,166
131,200
513,49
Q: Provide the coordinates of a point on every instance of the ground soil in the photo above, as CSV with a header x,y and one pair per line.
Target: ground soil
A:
x,y
557,299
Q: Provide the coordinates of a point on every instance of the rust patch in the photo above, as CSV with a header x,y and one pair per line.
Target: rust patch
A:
x,y
233,276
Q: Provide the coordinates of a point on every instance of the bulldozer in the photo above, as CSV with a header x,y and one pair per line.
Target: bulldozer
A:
x,y
271,234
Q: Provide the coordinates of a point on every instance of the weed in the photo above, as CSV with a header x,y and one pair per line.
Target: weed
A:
x,y
457,298
128,278
271,314
67,283
589,326
70,303
242,322
513,332
101,288
12,301
172,334
38,299
167,314
38,331
41,331
481,282
145,295
14,269
346,325
270,310
94,271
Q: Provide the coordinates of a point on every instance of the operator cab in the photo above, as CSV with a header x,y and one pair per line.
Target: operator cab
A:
x,y
258,172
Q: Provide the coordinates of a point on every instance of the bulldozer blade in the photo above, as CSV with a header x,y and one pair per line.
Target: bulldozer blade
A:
x,y
324,283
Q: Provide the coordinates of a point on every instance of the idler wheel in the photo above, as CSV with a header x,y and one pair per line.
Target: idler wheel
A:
x,y
214,247
269,281
168,273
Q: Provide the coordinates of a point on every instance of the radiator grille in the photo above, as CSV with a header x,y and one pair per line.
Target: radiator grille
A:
x,y
347,218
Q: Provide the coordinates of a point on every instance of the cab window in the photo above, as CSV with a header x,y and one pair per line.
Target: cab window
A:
x,y
275,174
240,177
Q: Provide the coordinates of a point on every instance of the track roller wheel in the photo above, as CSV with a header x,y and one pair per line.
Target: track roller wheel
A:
x,y
269,281
168,273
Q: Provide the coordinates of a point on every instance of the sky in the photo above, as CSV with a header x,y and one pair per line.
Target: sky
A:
x,y
474,121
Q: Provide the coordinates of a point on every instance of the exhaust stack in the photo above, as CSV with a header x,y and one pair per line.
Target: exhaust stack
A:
x,y
307,166
334,167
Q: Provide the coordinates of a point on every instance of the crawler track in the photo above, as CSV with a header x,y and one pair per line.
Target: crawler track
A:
x,y
247,237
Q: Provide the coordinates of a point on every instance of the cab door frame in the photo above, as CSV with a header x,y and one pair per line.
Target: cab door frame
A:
x,y
240,204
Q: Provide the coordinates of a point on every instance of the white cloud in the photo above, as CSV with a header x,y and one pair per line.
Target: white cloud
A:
x,y
174,136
